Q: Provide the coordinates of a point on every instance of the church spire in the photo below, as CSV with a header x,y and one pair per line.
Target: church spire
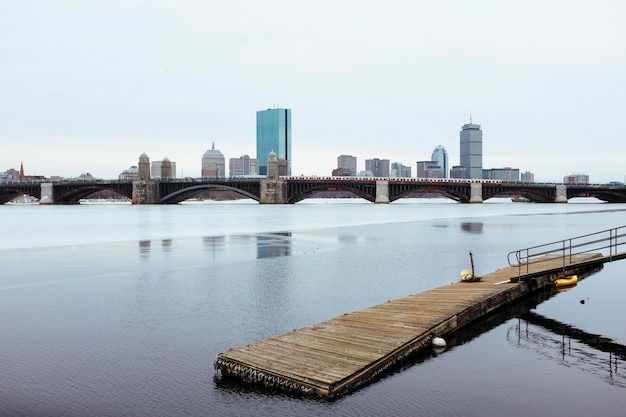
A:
x,y
22,171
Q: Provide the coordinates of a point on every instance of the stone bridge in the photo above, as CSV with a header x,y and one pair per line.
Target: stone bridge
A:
x,y
290,190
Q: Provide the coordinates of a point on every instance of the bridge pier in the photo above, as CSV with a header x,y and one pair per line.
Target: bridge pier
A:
x,y
382,192
273,192
146,192
47,193
476,192
561,194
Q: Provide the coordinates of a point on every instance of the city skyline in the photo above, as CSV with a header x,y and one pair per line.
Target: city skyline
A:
x,y
167,83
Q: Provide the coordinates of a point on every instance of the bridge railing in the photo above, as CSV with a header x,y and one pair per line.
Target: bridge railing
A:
x,y
609,243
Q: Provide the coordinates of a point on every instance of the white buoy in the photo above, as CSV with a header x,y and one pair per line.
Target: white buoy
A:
x,y
438,342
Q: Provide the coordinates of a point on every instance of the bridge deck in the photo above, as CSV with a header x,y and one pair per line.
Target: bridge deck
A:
x,y
341,354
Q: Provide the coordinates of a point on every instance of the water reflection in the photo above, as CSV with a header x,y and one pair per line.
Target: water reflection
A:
x,y
144,248
273,244
472,227
569,346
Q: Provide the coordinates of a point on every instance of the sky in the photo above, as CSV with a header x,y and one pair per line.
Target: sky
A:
x,y
88,86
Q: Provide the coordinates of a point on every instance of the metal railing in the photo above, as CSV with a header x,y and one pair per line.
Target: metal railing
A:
x,y
607,242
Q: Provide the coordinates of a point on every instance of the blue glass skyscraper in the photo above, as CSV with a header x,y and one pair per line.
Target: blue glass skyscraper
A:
x,y
440,155
273,133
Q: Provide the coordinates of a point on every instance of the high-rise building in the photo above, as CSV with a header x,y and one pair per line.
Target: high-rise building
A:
x,y
472,150
399,170
429,169
213,163
458,172
273,134
527,176
347,163
378,167
244,165
440,155
504,174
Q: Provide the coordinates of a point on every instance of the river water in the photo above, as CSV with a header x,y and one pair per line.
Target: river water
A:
x,y
119,310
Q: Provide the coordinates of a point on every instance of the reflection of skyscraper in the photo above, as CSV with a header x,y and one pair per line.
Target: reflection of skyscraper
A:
x,y
441,157
273,133
472,150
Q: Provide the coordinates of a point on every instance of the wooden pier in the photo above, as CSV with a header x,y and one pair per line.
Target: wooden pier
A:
x,y
337,356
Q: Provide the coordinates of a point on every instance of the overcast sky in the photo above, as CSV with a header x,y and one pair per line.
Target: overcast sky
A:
x,y
87,86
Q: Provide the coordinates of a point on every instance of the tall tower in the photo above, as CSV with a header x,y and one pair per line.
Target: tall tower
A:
x,y
273,133
441,157
144,167
472,150
167,169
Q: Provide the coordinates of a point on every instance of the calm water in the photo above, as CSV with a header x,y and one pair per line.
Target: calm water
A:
x,y
120,310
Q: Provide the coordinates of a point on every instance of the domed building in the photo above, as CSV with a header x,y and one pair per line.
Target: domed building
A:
x,y
213,164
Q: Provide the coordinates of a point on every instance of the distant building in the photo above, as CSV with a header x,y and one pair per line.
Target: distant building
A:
x,y
13,174
399,170
213,163
243,166
131,174
503,174
458,172
342,172
378,167
273,134
576,179
527,176
441,157
429,169
347,163
471,139
163,169
86,177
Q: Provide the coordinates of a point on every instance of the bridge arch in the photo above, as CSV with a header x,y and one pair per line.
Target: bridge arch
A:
x,y
460,192
185,193
300,190
610,195
534,193
9,193
72,193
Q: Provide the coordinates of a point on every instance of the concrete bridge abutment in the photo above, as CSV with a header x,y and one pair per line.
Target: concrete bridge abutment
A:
x,y
382,192
146,192
476,192
561,194
47,193
273,192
